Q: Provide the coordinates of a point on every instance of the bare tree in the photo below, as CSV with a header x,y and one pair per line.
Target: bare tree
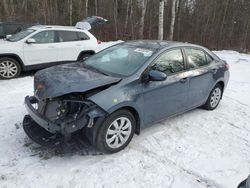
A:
x,y
86,7
246,34
96,7
161,19
127,15
70,11
173,15
143,6
115,18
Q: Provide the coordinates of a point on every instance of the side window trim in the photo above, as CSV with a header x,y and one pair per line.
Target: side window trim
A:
x,y
195,48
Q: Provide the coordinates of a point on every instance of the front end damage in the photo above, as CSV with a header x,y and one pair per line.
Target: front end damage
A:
x,y
54,120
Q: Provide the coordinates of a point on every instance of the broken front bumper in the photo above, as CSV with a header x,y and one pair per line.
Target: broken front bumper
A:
x,y
64,127
40,120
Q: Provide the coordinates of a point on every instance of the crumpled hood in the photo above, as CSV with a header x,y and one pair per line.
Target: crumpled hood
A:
x,y
63,79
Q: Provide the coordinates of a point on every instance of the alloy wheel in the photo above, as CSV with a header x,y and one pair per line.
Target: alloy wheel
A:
x,y
8,69
118,132
215,97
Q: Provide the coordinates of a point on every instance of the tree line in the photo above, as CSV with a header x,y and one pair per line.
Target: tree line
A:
x,y
217,24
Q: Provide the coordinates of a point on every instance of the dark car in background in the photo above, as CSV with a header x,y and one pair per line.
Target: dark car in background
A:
x,y
10,28
116,92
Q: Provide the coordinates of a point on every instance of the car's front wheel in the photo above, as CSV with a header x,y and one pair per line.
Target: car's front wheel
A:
x,y
116,132
214,98
9,68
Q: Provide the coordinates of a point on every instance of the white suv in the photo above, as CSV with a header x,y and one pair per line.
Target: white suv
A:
x,y
42,46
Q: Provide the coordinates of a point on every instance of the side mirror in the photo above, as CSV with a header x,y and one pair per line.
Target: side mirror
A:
x,y
30,41
155,75
8,36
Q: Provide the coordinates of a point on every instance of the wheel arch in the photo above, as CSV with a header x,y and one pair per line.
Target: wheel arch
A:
x,y
222,84
91,52
16,57
136,116
133,110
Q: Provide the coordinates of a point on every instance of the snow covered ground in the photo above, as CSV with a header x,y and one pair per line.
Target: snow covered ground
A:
x,y
197,149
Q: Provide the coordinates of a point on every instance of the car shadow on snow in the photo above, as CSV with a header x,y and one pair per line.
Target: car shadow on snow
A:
x,y
76,147
83,148
28,73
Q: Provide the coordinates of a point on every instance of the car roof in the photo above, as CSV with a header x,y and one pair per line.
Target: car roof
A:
x,y
59,27
159,44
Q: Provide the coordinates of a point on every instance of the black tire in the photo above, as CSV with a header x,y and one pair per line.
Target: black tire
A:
x,y
84,56
209,105
16,71
101,142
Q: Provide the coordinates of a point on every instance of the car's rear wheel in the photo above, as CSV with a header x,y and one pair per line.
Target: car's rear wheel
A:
x,y
9,68
116,132
214,98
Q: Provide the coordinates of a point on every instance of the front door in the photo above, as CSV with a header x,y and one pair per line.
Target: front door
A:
x,y
44,50
165,98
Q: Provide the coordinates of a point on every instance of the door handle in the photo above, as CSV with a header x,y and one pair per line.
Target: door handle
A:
x,y
51,46
183,80
78,45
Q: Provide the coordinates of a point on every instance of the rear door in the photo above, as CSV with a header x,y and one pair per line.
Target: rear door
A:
x,y
43,51
168,97
201,71
71,44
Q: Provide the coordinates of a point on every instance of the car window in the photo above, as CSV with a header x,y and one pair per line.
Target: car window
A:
x,y
21,35
170,62
82,36
197,58
44,37
67,36
209,58
12,28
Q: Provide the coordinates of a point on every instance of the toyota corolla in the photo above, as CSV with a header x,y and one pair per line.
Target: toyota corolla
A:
x,y
113,94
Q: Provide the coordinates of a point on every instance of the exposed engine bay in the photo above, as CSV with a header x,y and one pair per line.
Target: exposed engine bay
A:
x,y
60,117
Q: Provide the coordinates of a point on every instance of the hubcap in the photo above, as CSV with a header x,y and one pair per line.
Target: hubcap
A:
x,y
215,98
8,69
118,132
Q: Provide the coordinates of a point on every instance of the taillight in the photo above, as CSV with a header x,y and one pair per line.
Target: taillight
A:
x,y
99,42
227,66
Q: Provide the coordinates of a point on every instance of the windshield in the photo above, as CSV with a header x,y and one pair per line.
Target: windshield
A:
x,y
20,35
120,60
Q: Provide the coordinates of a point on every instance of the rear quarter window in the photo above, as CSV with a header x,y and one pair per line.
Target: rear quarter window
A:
x,y
82,36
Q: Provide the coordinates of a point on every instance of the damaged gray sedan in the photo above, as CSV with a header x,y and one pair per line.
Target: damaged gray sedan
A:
x,y
113,94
